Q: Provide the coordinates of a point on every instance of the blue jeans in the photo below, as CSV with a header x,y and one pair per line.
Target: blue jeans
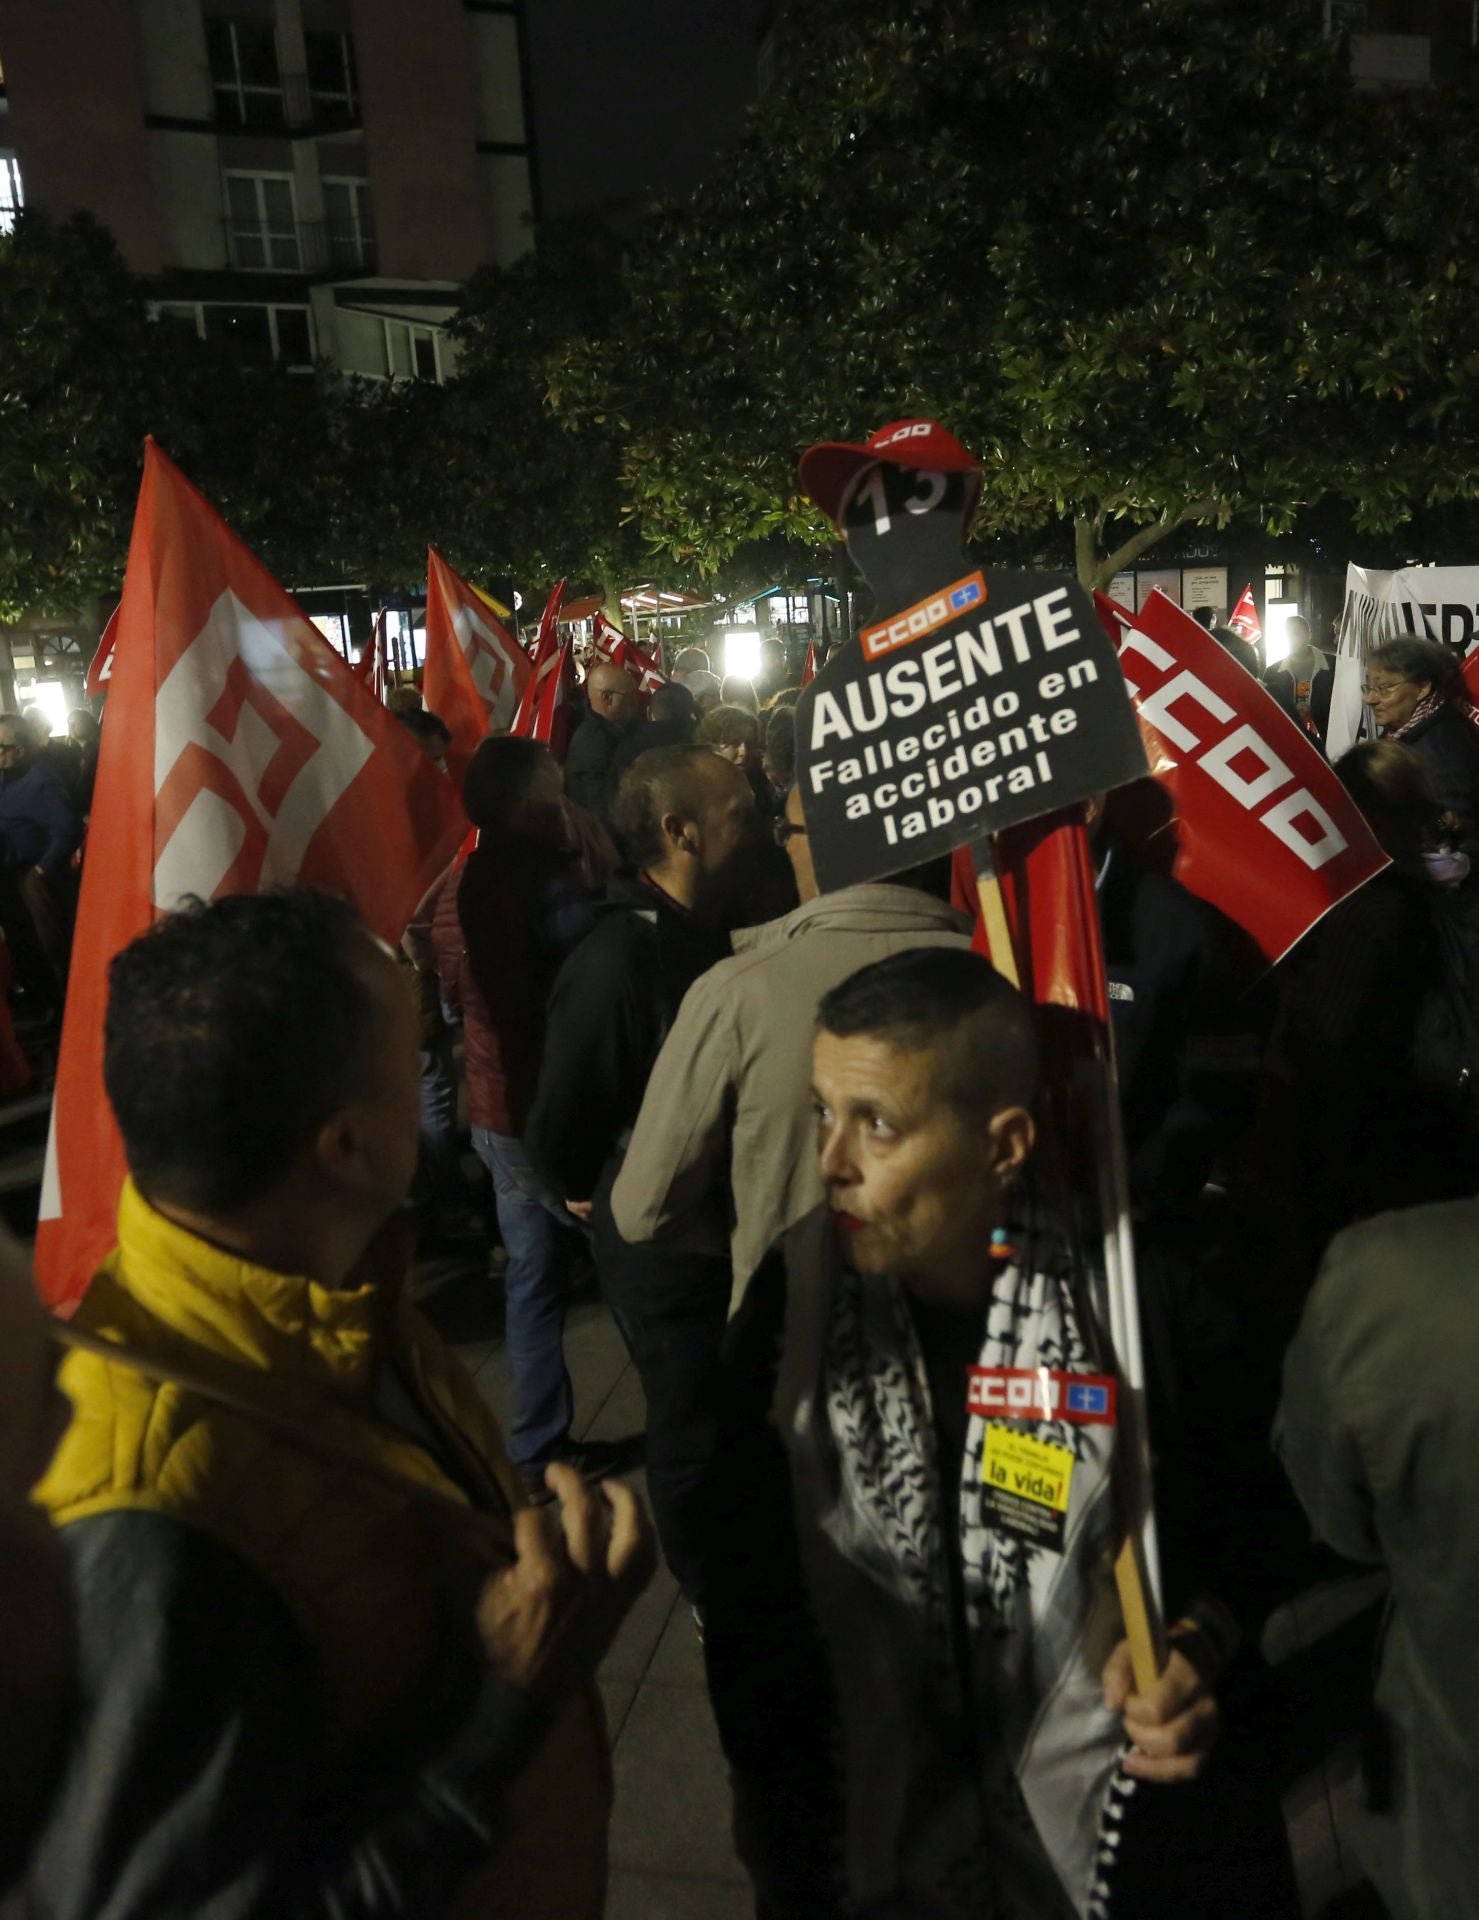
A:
x,y
440,1184
534,1294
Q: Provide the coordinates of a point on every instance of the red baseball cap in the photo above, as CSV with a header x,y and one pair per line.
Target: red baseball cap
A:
x,y
923,446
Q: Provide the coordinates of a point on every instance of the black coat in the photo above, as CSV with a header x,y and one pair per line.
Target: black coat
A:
x,y
646,737
609,1012
1281,684
1187,1036
590,770
1449,748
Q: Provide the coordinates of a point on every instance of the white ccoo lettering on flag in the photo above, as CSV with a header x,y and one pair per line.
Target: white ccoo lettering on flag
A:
x,y
241,780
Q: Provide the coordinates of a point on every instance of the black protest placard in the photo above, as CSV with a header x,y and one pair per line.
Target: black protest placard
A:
x,y
989,700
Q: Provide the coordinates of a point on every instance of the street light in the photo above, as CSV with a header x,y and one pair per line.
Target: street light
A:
x,y
742,652
51,697
1276,617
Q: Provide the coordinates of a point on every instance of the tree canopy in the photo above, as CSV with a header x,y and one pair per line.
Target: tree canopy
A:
x,y
1157,263
79,389
85,375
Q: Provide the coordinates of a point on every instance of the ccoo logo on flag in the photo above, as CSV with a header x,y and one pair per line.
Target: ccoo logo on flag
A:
x,y
242,781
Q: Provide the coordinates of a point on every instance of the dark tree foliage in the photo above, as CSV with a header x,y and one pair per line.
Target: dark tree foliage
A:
x,y
85,374
1157,262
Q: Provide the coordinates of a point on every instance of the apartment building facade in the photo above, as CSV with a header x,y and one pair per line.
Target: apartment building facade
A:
x,y
312,179
1409,43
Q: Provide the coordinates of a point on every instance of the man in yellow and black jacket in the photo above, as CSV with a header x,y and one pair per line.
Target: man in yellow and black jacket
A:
x,y
328,1659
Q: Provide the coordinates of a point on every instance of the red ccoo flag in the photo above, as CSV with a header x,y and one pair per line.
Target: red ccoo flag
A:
x,y
101,670
476,673
549,716
546,699
1260,826
1244,618
615,647
241,753
609,641
372,668
809,666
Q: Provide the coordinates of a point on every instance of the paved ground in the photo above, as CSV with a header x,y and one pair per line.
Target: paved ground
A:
x,y
670,1847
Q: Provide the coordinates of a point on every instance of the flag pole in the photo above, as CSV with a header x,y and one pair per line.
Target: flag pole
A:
x,y
1136,1570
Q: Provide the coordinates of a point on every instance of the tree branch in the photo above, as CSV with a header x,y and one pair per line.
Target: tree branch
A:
x,y
1141,540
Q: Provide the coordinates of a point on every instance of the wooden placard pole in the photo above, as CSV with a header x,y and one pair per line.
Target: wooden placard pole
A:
x,y
1144,1625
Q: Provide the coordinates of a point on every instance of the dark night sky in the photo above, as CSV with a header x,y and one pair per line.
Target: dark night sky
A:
x,y
634,95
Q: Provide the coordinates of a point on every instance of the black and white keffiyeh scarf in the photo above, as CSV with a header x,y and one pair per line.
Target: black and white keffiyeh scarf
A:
x,y
1025,1605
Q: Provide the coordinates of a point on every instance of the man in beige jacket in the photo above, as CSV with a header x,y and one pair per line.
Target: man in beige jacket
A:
x,y
724,1147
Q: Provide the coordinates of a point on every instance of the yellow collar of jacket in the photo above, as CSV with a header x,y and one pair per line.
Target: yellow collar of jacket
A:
x,y
383,1585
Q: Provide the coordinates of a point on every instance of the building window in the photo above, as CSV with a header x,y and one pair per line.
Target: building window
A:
x,y
11,197
332,86
349,223
412,352
262,223
248,329
292,336
258,333
245,76
181,314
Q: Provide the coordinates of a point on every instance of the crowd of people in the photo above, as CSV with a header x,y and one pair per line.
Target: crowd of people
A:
x,y
288,1627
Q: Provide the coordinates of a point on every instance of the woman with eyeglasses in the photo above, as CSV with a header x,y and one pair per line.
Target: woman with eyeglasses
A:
x,y
1416,693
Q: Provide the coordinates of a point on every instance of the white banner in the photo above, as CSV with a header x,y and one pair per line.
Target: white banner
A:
x,y
1441,603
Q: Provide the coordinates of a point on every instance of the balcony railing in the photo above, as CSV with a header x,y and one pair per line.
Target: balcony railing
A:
x,y
290,104
308,246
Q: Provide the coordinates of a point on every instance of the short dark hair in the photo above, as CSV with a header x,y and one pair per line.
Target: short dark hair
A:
x,y
498,779
1425,662
673,704
780,745
957,1005
235,1029
729,727
426,726
667,780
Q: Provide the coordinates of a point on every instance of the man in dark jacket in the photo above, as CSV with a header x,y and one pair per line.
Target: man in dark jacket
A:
x,y
41,831
500,927
684,815
37,821
672,721
912,1679
1302,682
612,712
